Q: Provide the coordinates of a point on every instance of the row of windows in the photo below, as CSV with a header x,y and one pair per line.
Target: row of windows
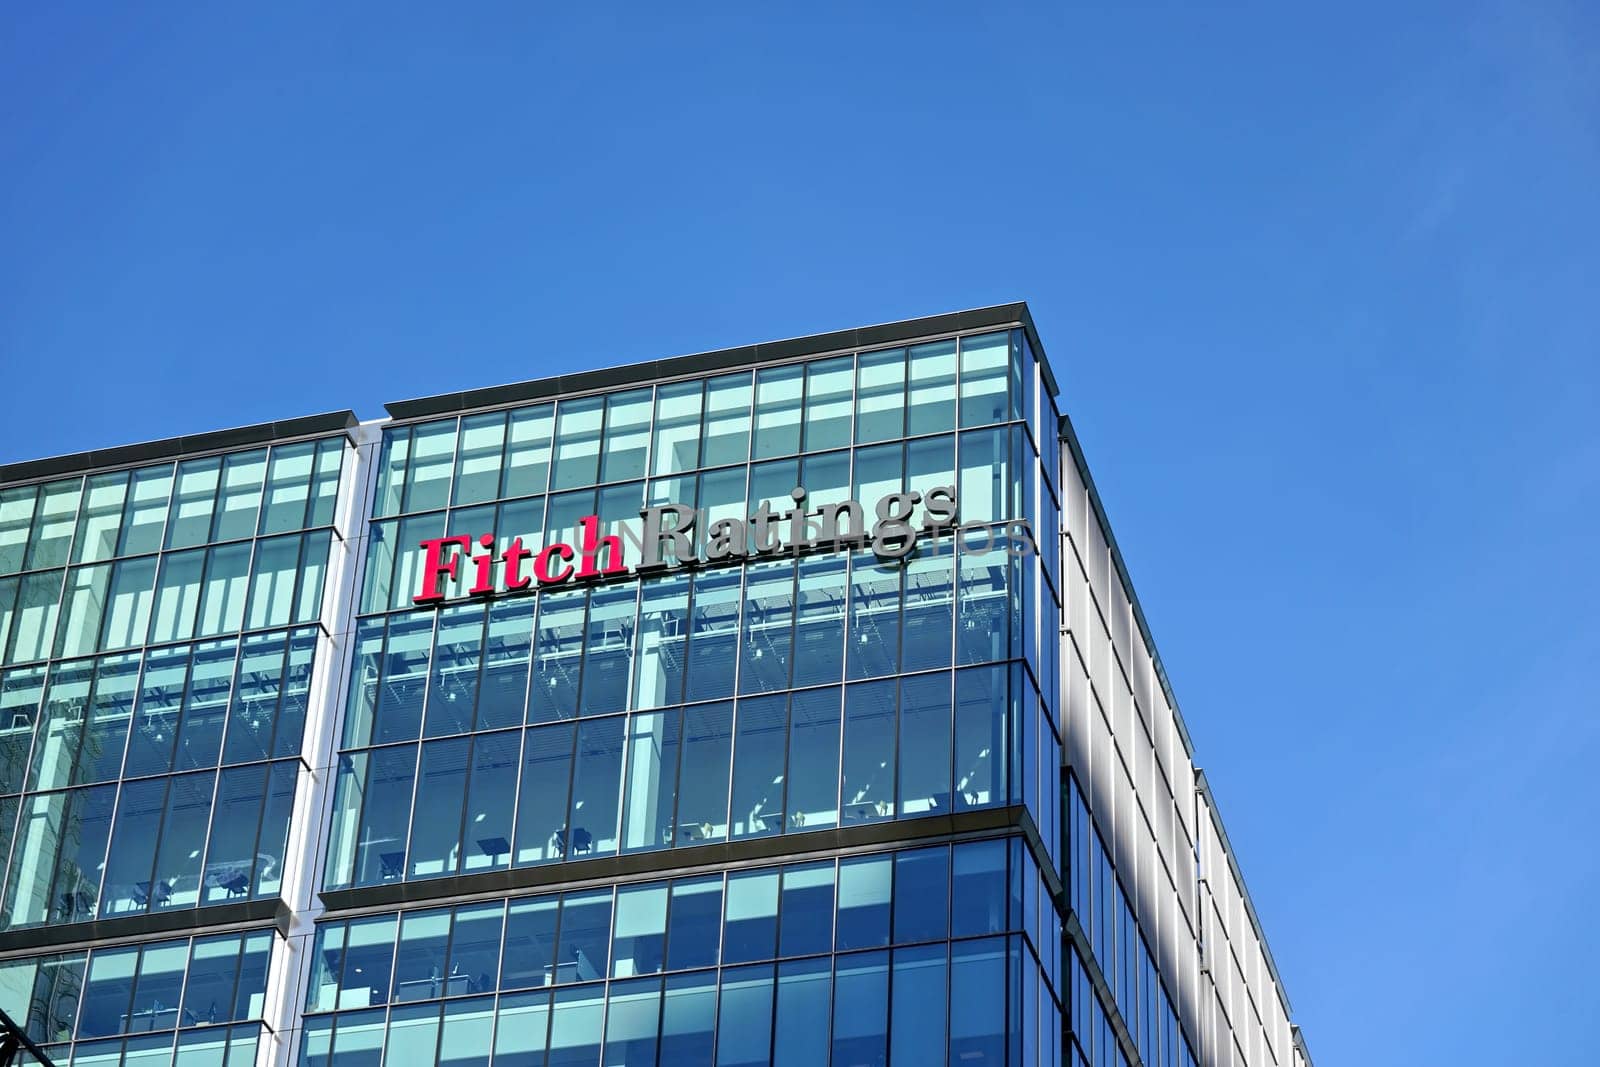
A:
x,y
197,592
925,744
764,627
227,1046
993,471
154,844
164,985
974,1003
971,889
683,426
134,513
1125,960
134,714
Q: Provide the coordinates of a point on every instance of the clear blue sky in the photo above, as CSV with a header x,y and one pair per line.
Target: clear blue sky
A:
x,y
1322,290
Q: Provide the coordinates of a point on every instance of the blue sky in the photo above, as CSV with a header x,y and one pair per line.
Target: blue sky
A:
x,y
1320,287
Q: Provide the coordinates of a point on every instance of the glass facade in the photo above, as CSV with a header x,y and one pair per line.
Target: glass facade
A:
x,y
806,792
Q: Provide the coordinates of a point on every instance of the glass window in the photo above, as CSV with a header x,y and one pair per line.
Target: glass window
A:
x,y
980,745
8,603
413,1036
922,895
453,690
767,631
881,395
155,730
829,385
985,475
978,888
132,595
478,458
750,921
777,425
596,789
419,967
703,784
584,949
557,652
977,1002
577,447
98,521
205,704
85,600
405,678
435,841
390,777
747,998
222,594
432,459
272,841
688,1019
576,1023
633,1011
802,1020
676,446
368,962
871,644
917,1013
924,747
491,798
527,463
867,792
239,499
864,896
663,640
503,695
627,437
981,597
639,941
193,502
542,805
231,857
653,743
358,1042
409,556
608,645
931,403
813,795
276,570
16,519
20,693
727,429
530,944
983,379
108,993
146,516
807,909
288,488
468,1024
758,767
930,463
927,620
54,524
128,885
110,711
392,471
861,1008
694,922
56,749
183,840
33,624
819,623
522,1025
713,634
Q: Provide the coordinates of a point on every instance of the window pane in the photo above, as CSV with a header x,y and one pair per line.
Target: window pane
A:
x,y
627,436
750,918
432,453
585,935
983,379
128,885
183,840
557,654
653,743
222,596
819,623
128,610
703,782
478,458
932,398
747,1003
55,750
419,964
924,748
807,909
467,1026
758,767
20,694
694,920
688,1019
813,795
405,678
977,1002
231,856
288,488
928,619
576,1023
917,1013
869,763
609,643
767,637
981,710
392,471
881,395
871,645
522,1026
801,1025
239,499
596,785
193,501
390,777
16,519
727,432
205,704
577,447
978,888
922,895
453,690
155,731
409,556
85,600
490,800
985,473
33,625
527,463
542,806
146,515
98,521
276,567
861,1008
676,445
777,431
502,697
829,385
53,524
638,943
713,637
530,944
435,841
663,640
864,895
110,712
325,483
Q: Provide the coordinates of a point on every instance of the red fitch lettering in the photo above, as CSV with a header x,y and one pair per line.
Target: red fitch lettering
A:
x,y
436,564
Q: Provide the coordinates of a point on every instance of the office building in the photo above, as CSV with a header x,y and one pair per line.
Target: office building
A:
x,y
786,704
